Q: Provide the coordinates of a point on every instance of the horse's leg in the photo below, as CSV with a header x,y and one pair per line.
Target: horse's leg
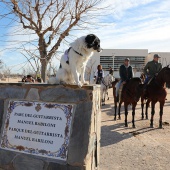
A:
x,y
120,103
115,102
133,114
126,113
142,106
152,113
161,113
146,110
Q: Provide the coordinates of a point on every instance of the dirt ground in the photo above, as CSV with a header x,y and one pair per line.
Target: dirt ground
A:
x,y
142,148
10,80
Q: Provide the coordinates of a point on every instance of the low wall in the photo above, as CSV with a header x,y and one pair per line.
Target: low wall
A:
x,y
84,143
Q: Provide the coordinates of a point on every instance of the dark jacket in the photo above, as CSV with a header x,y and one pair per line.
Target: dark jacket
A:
x,y
125,73
152,68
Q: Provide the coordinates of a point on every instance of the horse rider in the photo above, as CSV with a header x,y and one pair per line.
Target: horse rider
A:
x,y
126,73
152,69
99,74
111,71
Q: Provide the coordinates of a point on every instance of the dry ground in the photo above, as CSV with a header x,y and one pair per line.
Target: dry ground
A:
x,y
142,148
10,80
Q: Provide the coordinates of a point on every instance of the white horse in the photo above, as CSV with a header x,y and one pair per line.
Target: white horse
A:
x,y
106,83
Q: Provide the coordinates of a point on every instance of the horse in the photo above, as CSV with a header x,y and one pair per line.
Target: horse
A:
x,y
106,83
155,92
131,94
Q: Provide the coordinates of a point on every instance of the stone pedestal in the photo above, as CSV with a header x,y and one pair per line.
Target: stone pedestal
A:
x,y
84,142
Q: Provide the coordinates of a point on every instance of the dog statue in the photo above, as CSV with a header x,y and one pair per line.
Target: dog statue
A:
x,y
74,60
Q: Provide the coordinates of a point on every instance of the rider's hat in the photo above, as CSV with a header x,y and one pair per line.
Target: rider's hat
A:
x,y
127,59
156,56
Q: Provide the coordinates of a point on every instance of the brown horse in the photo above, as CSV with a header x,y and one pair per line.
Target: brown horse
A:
x,y
156,92
131,93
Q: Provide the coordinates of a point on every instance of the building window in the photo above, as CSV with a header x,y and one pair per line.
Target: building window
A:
x,y
106,62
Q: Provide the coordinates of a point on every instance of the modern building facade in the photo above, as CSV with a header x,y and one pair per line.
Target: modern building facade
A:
x,y
115,57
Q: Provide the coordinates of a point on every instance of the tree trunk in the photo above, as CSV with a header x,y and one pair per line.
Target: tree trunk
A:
x,y
44,70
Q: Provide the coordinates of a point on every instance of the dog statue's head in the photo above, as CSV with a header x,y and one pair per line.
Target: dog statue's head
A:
x,y
93,41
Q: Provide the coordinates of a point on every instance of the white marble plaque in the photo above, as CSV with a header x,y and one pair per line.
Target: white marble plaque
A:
x,y
38,128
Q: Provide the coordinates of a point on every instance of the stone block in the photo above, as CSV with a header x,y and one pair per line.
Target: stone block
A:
x,y
79,139
1,112
12,92
63,95
33,94
25,162
54,166
6,157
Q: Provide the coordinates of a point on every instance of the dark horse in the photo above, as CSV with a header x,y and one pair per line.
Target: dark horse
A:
x,y
156,92
131,93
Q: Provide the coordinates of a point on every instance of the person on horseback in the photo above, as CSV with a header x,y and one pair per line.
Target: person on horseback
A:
x,y
111,71
152,68
126,73
99,74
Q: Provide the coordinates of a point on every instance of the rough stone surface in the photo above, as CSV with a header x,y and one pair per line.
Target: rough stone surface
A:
x,y
53,166
12,92
25,162
63,94
1,112
33,94
79,139
6,157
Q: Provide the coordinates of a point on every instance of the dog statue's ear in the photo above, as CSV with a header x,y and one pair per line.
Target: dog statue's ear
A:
x,y
90,39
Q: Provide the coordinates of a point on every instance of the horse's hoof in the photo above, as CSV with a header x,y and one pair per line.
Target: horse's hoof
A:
x,y
133,126
160,126
142,118
146,117
126,125
108,98
119,118
151,126
114,119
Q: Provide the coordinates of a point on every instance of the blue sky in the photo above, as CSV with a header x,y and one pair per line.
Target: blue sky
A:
x,y
132,24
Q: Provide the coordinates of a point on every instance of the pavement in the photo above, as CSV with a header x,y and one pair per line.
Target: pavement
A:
x,y
140,148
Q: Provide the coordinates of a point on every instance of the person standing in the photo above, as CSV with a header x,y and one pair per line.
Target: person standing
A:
x,y
99,74
126,73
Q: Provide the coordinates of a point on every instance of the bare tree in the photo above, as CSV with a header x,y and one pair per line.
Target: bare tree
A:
x,y
52,21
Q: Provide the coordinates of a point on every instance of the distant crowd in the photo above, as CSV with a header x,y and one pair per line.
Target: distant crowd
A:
x,y
30,79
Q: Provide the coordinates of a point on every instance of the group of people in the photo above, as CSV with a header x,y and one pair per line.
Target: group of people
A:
x,y
151,70
30,79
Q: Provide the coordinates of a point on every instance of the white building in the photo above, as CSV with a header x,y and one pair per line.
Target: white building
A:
x,y
114,58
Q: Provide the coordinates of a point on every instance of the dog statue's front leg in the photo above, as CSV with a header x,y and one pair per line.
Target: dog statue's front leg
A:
x,y
82,75
76,76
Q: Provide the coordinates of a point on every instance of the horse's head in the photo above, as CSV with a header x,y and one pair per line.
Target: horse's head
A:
x,y
142,77
164,75
167,75
108,79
